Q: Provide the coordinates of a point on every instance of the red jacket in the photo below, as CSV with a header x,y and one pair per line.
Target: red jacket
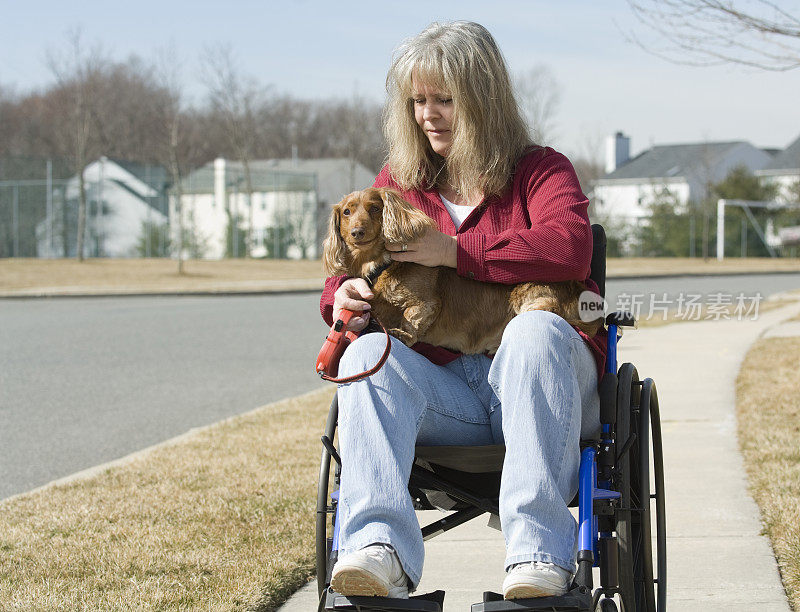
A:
x,y
538,230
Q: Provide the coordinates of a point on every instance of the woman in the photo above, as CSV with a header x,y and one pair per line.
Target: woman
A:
x,y
508,212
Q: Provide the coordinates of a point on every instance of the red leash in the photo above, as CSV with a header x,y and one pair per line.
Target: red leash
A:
x,y
337,341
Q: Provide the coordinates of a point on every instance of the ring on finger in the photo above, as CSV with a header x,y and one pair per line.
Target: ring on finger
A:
x,y
404,248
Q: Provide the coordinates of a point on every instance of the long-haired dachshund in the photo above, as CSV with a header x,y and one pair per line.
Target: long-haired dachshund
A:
x,y
418,303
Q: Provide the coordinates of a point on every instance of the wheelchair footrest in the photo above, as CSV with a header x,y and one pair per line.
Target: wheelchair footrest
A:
x,y
579,599
430,602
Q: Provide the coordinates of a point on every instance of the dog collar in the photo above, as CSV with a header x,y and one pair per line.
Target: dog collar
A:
x,y
376,272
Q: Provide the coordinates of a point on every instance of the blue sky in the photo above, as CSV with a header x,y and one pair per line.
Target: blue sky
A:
x,y
321,49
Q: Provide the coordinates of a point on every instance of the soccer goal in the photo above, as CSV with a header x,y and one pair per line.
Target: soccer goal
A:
x,y
769,238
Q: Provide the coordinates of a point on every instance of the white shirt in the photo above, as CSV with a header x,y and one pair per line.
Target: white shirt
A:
x,y
457,212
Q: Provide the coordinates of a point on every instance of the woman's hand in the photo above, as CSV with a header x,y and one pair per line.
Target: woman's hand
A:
x,y
433,248
351,296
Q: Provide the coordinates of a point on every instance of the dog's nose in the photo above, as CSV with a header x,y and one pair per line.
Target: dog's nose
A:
x,y
358,233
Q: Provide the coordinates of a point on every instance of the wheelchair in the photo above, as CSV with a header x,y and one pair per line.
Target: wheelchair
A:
x,y
621,508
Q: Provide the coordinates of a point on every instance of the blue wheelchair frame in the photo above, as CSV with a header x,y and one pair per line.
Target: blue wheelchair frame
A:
x,y
590,489
625,419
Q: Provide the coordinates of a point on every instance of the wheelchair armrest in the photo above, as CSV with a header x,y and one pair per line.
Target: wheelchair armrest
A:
x,y
621,318
608,399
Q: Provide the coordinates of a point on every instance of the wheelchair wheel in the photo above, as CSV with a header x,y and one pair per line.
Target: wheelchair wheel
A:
x,y
637,420
652,484
326,507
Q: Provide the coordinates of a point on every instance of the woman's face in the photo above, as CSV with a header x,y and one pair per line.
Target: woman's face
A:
x,y
433,111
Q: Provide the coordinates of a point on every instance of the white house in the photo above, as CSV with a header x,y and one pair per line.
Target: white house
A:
x,y
287,212
120,198
336,177
680,173
784,170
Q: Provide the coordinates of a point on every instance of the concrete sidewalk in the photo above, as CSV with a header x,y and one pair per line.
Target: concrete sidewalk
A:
x,y
717,558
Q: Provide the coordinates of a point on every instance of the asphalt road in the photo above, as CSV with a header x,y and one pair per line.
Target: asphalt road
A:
x,y
87,380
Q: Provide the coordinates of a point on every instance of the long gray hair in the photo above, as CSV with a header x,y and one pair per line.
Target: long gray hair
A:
x,y
461,59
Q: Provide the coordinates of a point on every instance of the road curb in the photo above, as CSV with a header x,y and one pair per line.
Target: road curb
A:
x,y
316,288
138,294
94,470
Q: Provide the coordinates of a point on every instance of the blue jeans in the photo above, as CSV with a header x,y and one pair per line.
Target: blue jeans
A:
x,y
538,396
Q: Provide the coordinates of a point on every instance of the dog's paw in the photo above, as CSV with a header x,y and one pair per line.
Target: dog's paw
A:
x,y
403,336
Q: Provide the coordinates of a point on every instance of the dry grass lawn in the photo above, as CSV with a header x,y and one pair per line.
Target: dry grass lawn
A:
x,y
154,275
768,407
220,520
655,266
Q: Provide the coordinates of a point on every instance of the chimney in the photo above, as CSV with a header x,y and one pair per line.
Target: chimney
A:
x,y
219,183
618,151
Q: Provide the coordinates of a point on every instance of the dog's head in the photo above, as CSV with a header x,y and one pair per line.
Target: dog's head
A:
x,y
363,222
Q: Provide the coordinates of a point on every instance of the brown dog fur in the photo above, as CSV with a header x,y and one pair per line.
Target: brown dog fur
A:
x,y
418,303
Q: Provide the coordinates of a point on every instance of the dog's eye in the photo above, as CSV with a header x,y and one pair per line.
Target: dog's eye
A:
x,y
375,211
346,212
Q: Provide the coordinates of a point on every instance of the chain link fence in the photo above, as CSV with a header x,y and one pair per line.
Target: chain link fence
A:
x,y
693,233
132,211
126,209
267,211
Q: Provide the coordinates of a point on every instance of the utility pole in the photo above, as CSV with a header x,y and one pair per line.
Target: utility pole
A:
x,y
15,220
99,212
50,214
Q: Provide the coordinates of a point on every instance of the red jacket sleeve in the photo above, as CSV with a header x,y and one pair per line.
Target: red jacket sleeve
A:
x,y
332,283
556,246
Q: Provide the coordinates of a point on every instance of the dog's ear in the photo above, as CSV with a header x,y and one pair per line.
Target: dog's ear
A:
x,y
334,249
401,221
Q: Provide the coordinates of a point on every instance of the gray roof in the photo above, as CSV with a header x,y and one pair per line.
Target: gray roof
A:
x,y
154,176
262,177
324,174
788,159
322,165
668,161
158,202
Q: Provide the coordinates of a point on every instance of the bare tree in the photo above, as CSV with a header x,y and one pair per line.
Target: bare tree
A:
x,y
298,220
285,127
237,98
757,33
343,128
361,138
76,72
539,96
12,118
169,111
588,158
704,178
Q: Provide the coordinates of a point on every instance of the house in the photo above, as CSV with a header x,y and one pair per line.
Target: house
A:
x,y
336,177
286,214
784,170
121,197
680,173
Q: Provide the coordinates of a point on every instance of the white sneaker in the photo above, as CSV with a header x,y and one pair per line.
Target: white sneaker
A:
x,y
374,571
536,579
